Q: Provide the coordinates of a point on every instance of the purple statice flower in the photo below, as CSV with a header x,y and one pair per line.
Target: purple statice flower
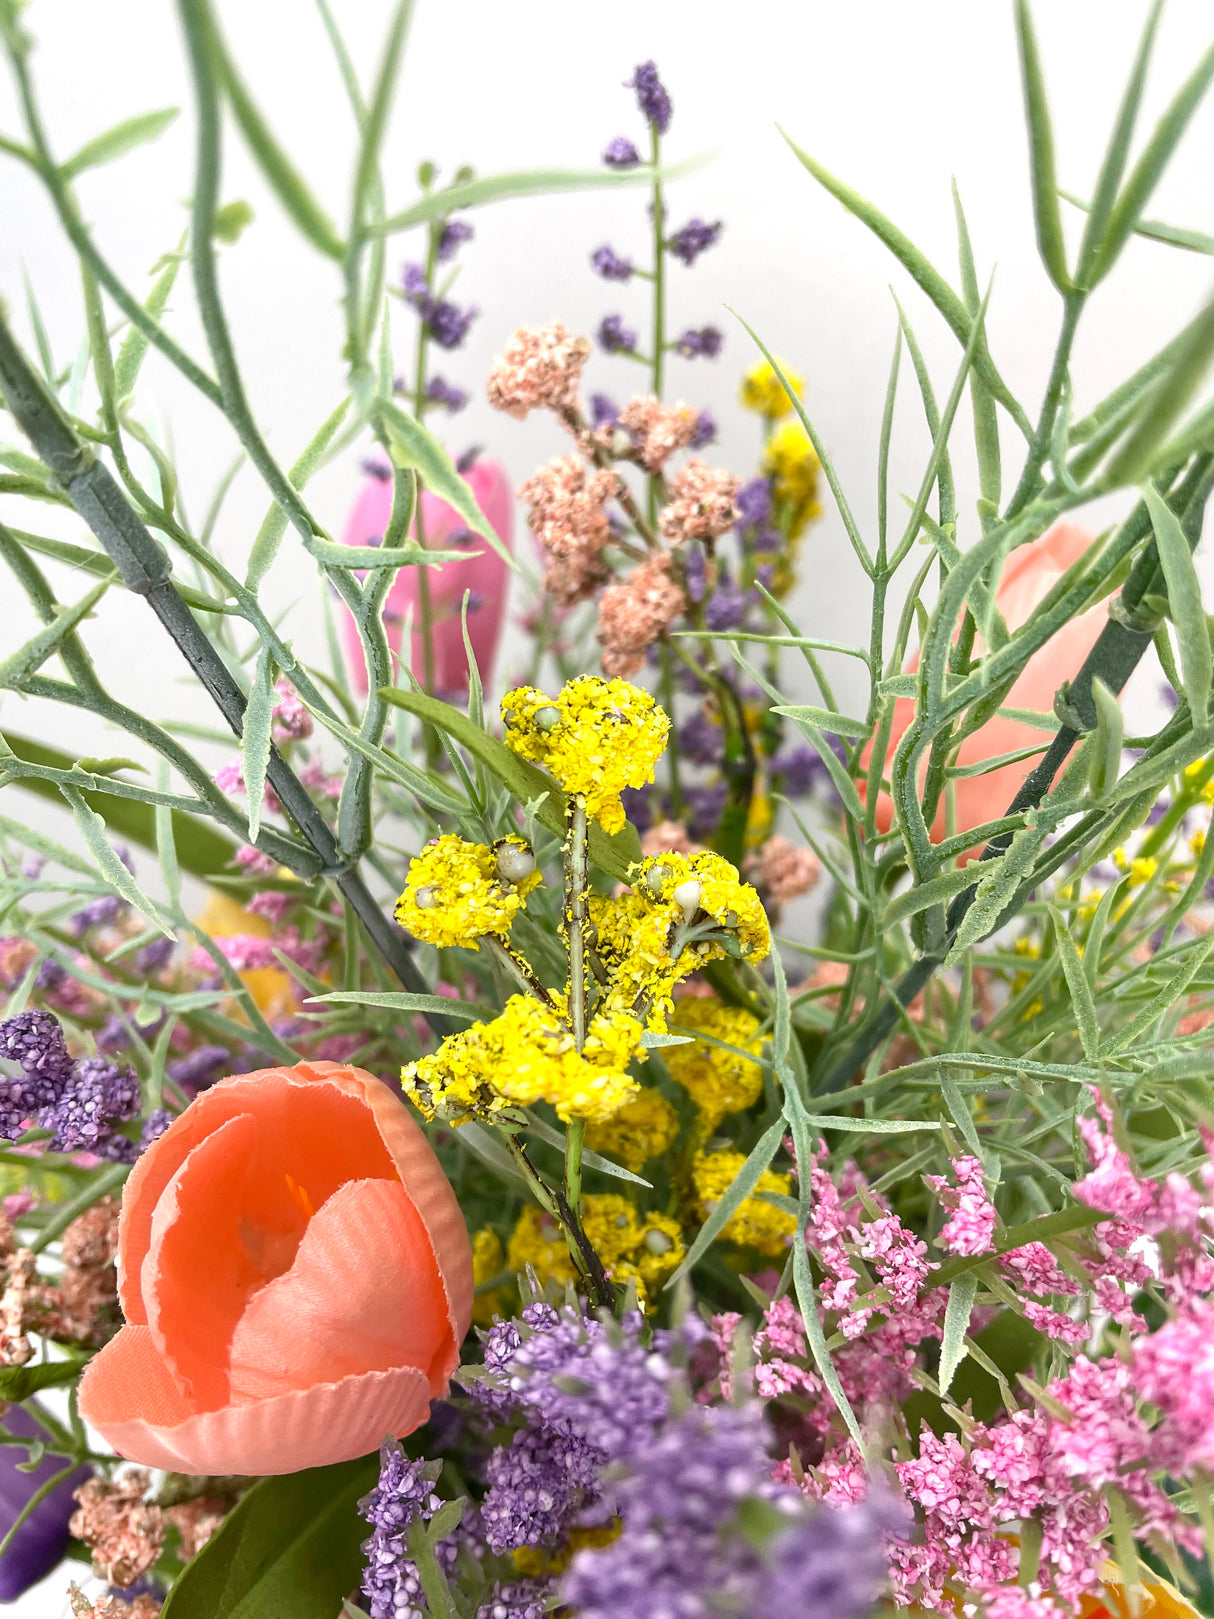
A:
x,y
695,572
638,806
706,431
454,234
415,286
696,237
441,392
200,1068
703,344
679,1497
614,337
726,608
832,1564
156,1123
652,97
605,261
753,503
97,913
101,1094
374,467
538,1483
604,412
702,808
42,1540
448,324
517,1599
34,1040
799,770
700,739
404,1492
620,153
50,975
152,957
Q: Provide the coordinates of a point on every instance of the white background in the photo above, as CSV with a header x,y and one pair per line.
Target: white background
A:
x,y
894,97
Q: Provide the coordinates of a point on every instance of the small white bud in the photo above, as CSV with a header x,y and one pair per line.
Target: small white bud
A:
x,y
426,898
687,897
658,1242
730,919
547,719
514,862
656,878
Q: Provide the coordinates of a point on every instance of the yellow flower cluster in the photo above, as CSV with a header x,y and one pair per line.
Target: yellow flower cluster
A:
x,y
535,1562
527,1055
488,1261
718,1081
1139,871
791,462
754,1224
647,1248
763,392
596,737
642,1129
706,885
456,891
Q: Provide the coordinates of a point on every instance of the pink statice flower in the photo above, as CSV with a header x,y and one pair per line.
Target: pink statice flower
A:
x,y
272,904
1174,1369
634,612
702,504
658,430
253,861
567,512
540,368
292,722
781,871
317,779
970,1228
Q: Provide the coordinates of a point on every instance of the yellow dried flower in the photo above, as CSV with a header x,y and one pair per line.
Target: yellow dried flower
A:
x,y
633,936
706,883
1197,842
642,1129
1138,871
719,1082
537,1561
537,1241
754,1224
791,461
527,1055
596,737
632,1245
488,1260
763,392
455,891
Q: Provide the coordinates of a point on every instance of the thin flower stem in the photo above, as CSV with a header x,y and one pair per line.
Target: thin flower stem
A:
x,y
517,966
576,879
36,1500
659,269
424,598
581,1250
575,1141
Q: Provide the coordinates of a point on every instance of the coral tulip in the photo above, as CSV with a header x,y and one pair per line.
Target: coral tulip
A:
x,y
484,575
1030,574
296,1278
42,1540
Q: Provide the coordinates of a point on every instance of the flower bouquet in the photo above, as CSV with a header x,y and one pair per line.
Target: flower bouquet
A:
x,y
449,1168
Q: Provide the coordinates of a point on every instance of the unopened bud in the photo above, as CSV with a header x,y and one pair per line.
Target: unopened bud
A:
x,y
658,1242
656,879
547,719
515,862
426,898
687,897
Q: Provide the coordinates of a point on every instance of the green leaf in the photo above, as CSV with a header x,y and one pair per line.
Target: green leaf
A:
x,y
616,854
924,895
370,557
489,1149
135,344
116,142
1190,964
274,525
17,668
92,830
290,1547
525,183
1050,240
20,1382
1077,982
1184,602
1150,166
654,1039
201,849
231,221
956,1324
731,1200
873,1127
1106,757
415,446
836,724
606,1166
257,739
400,1001
1169,396
922,272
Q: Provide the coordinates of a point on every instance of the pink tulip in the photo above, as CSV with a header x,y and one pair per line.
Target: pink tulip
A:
x,y
484,575
296,1278
1029,575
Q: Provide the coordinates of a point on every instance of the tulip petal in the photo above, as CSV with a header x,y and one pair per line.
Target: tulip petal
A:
x,y
363,1295
129,1396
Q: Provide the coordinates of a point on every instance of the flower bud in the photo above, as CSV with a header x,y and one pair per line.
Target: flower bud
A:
x,y
658,1242
687,897
547,719
515,862
426,898
656,879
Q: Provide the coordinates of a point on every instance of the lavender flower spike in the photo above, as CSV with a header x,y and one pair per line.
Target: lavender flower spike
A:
x,y
652,96
606,262
620,153
614,337
696,237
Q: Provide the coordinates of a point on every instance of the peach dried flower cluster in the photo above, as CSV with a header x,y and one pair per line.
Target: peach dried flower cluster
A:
x,y
540,369
702,504
568,515
634,612
124,1532
658,430
782,872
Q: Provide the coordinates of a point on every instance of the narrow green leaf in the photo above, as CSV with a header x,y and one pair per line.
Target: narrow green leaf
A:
x,y
257,738
836,724
400,1001
1150,166
415,446
617,854
1190,965
489,1149
166,845
525,183
1076,981
1169,396
555,1138
924,273
1184,602
924,895
291,1546
18,1383
986,418
998,880
1106,757
811,1317
19,665
654,1040
956,1324
92,830
98,1186
370,557
135,344
873,1127
1050,241
274,524
116,142
731,1200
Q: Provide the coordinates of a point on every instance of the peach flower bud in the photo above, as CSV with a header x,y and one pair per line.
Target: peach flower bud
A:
x,y
296,1278
1030,574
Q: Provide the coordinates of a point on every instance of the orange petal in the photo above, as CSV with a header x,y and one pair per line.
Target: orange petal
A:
x,y
362,1295
128,1396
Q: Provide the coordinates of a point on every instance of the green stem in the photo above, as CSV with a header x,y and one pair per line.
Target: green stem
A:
x,y
1030,478
575,1141
424,599
576,880
659,294
36,1500
517,966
